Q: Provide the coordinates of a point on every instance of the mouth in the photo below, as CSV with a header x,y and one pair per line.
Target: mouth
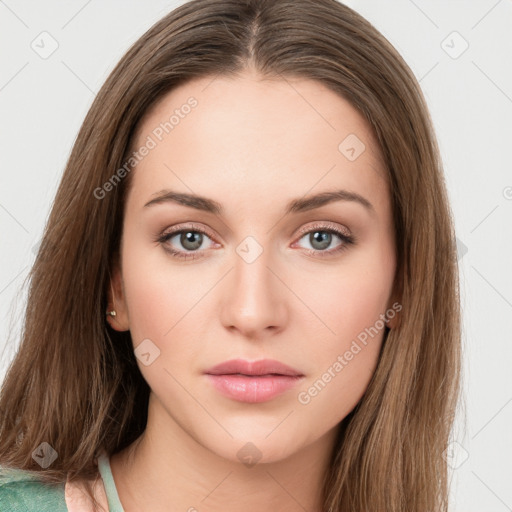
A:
x,y
255,375
253,382
263,367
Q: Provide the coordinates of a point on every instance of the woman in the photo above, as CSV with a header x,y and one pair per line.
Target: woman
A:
x,y
246,294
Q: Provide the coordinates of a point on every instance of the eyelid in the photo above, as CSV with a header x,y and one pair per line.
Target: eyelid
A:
x,y
340,231
324,225
190,226
302,231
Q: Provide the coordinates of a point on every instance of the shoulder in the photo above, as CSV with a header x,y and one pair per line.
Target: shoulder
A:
x,y
22,491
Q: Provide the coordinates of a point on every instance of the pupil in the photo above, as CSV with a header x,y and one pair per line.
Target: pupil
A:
x,y
187,240
323,238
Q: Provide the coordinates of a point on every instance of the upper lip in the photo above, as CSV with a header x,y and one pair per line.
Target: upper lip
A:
x,y
261,367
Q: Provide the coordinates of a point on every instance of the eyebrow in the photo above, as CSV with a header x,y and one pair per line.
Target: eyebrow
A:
x,y
295,206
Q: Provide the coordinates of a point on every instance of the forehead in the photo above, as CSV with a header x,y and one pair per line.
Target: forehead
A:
x,y
250,133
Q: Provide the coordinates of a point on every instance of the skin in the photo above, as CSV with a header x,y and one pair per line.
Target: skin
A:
x,y
251,144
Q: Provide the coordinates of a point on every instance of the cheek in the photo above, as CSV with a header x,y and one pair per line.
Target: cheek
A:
x,y
351,309
343,363
350,301
157,294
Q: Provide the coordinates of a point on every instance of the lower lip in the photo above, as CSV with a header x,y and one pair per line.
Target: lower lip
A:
x,y
253,389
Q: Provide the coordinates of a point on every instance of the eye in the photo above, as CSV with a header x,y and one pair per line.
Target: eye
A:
x,y
321,236
190,242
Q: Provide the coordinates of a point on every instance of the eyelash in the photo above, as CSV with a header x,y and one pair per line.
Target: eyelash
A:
x,y
347,240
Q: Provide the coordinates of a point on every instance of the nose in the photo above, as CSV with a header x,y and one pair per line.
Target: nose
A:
x,y
253,299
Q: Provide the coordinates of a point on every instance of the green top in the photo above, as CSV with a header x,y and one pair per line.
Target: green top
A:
x,y
21,491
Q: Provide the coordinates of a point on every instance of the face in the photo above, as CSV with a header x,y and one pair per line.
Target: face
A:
x,y
225,255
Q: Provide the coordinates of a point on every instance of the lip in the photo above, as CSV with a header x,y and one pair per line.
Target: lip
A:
x,y
260,367
253,382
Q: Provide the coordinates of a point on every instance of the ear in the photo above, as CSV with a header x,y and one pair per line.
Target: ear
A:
x,y
117,301
393,313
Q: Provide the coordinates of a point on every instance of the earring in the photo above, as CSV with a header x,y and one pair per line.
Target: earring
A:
x,y
112,313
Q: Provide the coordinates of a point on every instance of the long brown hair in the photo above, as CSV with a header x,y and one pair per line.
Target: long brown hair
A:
x,y
74,382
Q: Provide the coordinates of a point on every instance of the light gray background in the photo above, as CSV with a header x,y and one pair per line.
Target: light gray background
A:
x,y
43,102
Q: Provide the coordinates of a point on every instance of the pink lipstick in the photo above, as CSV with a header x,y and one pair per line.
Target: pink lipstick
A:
x,y
253,382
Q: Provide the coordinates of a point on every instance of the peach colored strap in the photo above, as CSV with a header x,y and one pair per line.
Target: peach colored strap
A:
x,y
77,499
